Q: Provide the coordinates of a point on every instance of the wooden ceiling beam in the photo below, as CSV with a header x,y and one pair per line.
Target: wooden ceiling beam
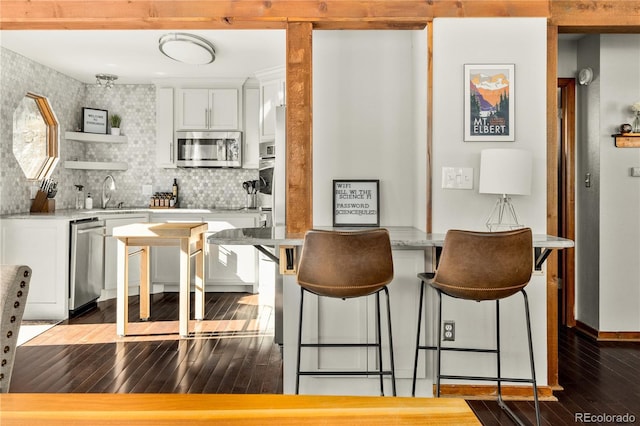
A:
x,y
567,15
240,14
602,16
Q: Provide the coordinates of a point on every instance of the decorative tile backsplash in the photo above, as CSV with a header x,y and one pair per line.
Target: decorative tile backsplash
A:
x,y
206,188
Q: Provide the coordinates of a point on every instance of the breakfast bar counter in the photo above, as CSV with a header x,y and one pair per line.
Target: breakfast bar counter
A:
x,y
414,251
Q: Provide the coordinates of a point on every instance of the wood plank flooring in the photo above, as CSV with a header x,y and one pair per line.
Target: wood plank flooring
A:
x,y
233,351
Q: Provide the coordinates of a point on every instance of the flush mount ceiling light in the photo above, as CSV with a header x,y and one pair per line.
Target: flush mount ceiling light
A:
x,y
105,80
187,48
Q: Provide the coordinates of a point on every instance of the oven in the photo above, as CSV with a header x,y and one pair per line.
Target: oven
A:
x,y
266,168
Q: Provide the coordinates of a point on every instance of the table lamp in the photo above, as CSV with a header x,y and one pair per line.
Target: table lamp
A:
x,y
505,172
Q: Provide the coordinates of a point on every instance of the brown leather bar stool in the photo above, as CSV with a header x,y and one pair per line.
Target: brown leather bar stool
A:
x,y
481,266
347,264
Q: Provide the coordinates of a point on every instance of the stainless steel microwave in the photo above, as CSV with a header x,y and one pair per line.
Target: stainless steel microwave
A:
x,y
209,149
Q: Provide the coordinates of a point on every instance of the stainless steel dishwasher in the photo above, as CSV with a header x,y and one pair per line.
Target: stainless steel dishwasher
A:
x,y
86,264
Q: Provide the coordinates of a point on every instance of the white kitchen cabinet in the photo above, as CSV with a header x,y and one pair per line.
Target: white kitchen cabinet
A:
x,y
208,109
164,128
43,245
227,268
165,261
272,95
111,257
251,149
231,268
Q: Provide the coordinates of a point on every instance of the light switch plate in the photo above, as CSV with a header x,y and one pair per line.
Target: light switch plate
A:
x,y
457,178
635,171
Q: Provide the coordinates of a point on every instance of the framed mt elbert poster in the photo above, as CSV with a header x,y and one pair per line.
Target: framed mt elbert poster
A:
x,y
489,103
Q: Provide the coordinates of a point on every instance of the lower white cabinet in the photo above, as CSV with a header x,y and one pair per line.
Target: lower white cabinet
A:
x,y
165,261
111,258
231,268
226,268
43,245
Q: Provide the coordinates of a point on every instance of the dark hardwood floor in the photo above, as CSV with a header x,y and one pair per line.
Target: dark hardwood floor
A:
x,y
233,352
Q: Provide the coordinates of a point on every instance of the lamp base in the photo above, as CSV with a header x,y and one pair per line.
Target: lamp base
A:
x,y
503,216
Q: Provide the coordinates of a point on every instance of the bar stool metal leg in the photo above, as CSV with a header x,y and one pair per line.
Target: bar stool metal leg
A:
x,y
533,368
299,341
391,359
439,343
415,362
379,342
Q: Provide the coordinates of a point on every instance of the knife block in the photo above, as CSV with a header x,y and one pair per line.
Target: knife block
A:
x,y
43,204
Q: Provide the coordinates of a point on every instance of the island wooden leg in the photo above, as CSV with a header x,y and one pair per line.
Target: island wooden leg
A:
x,y
122,294
185,274
200,291
144,284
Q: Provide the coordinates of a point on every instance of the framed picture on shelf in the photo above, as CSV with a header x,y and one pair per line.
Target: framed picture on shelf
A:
x,y
489,93
94,120
356,202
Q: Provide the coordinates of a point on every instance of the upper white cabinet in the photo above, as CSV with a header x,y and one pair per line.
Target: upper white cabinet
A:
x,y
164,127
272,95
251,138
208,109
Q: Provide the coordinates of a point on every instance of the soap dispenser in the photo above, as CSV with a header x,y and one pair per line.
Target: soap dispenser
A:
x,y
79,197
88,203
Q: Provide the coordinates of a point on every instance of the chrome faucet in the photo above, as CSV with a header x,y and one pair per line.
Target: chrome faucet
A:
x,y
106,190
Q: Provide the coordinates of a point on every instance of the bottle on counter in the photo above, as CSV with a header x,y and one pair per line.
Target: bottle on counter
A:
x,y
175,192
79,197
88,203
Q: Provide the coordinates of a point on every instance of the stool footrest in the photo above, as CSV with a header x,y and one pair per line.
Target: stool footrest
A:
x,y
434,348
494,379
346,373
338,345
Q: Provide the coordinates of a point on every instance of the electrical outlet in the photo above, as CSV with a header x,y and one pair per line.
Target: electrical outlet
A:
x,y
449,331
147,190
457,178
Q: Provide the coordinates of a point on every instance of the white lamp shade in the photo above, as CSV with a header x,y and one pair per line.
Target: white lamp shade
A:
x,y
505,171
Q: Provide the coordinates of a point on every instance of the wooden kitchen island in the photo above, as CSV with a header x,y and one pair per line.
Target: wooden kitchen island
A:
x,y
189,237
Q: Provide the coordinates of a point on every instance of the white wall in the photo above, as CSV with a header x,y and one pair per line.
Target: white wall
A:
x,y
587,198
619,192
365,120
519,41
607,220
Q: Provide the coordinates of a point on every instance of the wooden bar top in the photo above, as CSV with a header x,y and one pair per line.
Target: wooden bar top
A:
x,y
160,230
171,409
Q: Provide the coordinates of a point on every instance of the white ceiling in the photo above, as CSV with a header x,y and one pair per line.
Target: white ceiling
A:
x,y
134,57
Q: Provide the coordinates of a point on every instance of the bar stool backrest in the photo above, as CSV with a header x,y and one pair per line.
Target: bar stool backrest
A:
x,y
485,265
345,264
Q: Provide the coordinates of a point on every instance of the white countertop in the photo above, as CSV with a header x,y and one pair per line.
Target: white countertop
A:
x,y
406,237
73,214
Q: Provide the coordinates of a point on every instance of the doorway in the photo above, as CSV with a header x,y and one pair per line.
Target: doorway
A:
x,y
566,198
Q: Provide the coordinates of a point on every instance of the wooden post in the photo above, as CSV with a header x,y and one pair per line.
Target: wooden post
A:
x,y
299,179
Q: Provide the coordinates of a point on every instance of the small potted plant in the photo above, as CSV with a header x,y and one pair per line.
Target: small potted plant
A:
x,y
115,120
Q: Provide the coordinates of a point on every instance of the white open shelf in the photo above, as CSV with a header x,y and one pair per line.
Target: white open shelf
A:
x,y
96,165
94,137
